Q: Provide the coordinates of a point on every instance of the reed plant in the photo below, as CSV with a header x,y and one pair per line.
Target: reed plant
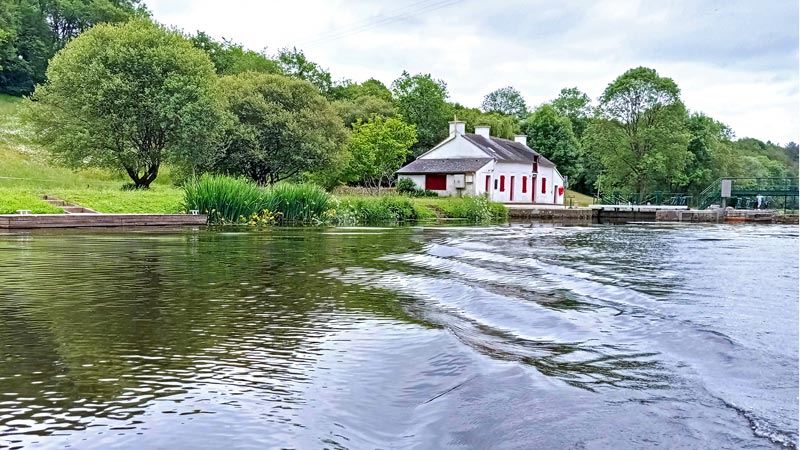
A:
x,y
223,198
297,203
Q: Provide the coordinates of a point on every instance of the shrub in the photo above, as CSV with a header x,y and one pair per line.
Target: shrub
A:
x,y
474,209
405,186
354,210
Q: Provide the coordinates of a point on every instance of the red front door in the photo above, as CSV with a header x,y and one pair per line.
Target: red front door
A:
x,y
436,182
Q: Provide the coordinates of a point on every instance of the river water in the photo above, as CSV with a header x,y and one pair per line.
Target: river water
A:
x,y
601,337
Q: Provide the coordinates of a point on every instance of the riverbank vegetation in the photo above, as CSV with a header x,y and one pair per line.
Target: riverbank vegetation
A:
x,y
229,200
170,107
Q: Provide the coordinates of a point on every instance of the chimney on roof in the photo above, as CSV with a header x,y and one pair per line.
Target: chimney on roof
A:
x,y
482,130
457,126
521,139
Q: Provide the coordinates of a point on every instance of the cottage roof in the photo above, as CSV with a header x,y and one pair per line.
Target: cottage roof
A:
x,y
504,150
459,165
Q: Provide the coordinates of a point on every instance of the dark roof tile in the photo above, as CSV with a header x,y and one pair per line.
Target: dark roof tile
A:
x,y
460,165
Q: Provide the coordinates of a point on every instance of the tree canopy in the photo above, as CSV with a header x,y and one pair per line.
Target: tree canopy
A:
x,y
32,31
640,137
230,58
422,101
506,100
378,148
295,64
576,106
500,125
551,135
128,97
280,128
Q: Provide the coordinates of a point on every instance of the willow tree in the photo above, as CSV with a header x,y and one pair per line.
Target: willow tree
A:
x,y
128,97
640,136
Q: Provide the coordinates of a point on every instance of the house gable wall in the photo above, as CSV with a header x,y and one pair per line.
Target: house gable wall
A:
x,y
455,149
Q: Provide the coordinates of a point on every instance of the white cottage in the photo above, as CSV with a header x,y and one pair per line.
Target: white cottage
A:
x,y
467,164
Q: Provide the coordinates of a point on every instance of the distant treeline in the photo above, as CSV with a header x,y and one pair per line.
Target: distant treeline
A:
x,y
135,95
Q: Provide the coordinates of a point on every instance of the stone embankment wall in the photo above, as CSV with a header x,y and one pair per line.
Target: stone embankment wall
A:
x,y
561,215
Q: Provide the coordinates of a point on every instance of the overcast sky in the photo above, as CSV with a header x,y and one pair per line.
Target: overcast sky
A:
x,y
735,60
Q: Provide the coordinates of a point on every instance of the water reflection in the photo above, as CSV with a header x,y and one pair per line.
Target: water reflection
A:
x,y
354,338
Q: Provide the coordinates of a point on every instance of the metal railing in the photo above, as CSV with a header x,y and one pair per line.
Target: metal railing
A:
x,y
653,198
744,189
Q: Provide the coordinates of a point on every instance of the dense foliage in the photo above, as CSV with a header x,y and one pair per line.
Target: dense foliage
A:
x,y
135,95
32,31
280,128
551,134
128,97
378,148
239,200
422,100
508,101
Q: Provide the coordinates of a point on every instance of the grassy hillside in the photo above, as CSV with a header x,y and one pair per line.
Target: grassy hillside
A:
x,y
26,174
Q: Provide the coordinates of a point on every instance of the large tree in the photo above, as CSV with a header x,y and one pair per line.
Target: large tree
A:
x,y
294,63
640,136
362,108
378,148
422,101
710,147
551,135
348,90
576,106
128,97
281,128
231,58
35,29
500,125
506,100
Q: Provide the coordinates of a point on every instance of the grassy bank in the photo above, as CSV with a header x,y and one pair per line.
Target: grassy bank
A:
x,y
26,174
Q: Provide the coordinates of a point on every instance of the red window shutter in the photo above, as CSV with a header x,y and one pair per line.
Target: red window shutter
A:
x,y
512,189
544,185
502,183
436,182
488,182
524,185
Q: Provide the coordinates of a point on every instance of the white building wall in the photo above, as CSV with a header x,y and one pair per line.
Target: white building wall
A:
x,y
451,191
554,180
519,171
419,180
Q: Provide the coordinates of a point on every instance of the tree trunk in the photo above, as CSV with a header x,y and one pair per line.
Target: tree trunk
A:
x,y
143,181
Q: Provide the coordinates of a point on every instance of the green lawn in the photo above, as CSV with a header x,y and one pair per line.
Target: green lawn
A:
x,y
157,200
26,173
578,199
15,199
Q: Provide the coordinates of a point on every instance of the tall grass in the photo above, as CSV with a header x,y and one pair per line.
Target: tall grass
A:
x,y
224,199
297,203
238,200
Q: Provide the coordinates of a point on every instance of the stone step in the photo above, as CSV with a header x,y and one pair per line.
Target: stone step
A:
x,y
78,210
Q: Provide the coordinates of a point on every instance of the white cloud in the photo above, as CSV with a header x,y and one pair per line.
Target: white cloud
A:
x,y
734,60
